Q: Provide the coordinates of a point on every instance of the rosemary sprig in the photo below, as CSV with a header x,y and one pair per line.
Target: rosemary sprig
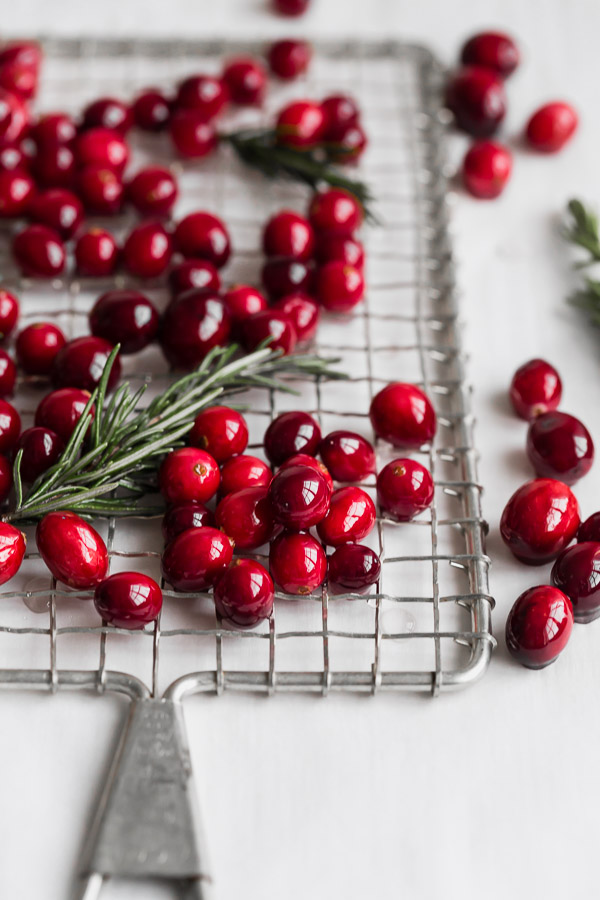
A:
x,y
116,467
582,230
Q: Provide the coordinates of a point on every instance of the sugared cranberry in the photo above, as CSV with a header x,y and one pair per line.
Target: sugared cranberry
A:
x,y
101,147
96,254
205,94
220,431
298,563
188,474
577,573
536,388
243,472
477,98
13,158
335,212
289,234
147,250
54,128
291,7
303,311
196,558
300,124
41,448
492,49
486,169
246,516
182,516
61,410
244,593
340,248
39,251
80,364
151,110
539,626
37,345
349,145
288,59
299,497
341,112
247,81
127,318
275,326
17,191
58,209
243,300
339,287
12,551
19,79
101,190
291,433
540,520
282,275
200,235
347,455
9,313
13,116
403,415
192,136
54,166
153,191
404,489
6,478
8,374
560,446
107,112
193,324
351,517
73,550
590,529
353,567
551,126
128,600
303,459
194,273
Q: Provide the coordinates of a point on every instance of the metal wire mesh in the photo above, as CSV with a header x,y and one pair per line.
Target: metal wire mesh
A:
x,y
426,624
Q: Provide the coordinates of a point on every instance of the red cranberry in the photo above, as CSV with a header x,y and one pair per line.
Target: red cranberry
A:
x,y
339,287
403,415
151,110
101,190
281,275
147,250
128,600
54,128
61,410
127,318
41,448
242,301
347,455
298,563
288,234
17,191
54,166
486,169
6,478
404,489
13,158
58,209
192,136
12,551
590,529
73,550
13,116
9,313
205,94
26,53
341,112
577,573
36,347
551,126
96,254
335,211
291,433
244,593
182,516
188,474
476,96
80,364
107,112
299,497
349,145
200,235
291,7
539,626
539,521
353,567
8,374
492,49
300,124
536,388
340,248
220,431
246,516
39,251
244,472
153,191
194,273
193,324
269,324
19,79
247,81
195,559
560,446
303,312
303,459
351,517
102,147
288,59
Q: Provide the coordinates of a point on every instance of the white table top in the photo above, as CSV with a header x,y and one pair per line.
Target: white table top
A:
x,y
488,793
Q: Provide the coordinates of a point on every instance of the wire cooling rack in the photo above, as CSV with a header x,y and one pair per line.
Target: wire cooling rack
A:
x,y
426,625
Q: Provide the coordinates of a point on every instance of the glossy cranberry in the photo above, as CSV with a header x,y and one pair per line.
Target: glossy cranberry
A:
x,y
80,364
205,94
54,166
17,191
486,169
8,374
200,235
540,520
220,431
246,516
153,191
298,563
147,250
41,448
36,347
6,479
194,273
291,433
107,112
335,212
289,234
247,81
26,53
590,529
188,474
300,124
128,600
102,147
339,287
151,110
577,573
347,455
182,516
536,388
244,472
96,254
39,251
303,312
282,275
61,410
288,59
101,190
539,626
560,446
195,559
340,248
19,79
303,459
299,497
58,209
243,300
353,567
54,128
244,593
404,489
192,136
73,550
351,517
9,313
193,324
492,49
403,415
551,126
341,112
127,318
13,116
349,145
13,158
12,551
291,7
275,326
477,98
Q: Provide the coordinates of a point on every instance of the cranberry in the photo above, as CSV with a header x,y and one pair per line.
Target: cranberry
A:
x,y
404,489
127,318
351,517
244,472
347,455
303,312
8,374
551,126
195,559
341,112
221,431
590,529
12,551
181,516
73,550
128,600
540,520
54,166
288,59
101,190
291,433
298,563
349,145
246,516
194,273
26,53
492,49
107,112
41,448
13,116
102,147
300,124
17,191
151,110
80,364
19,79
539,626
291,7
476,96
486,169
269,324
13,158
188,474
147,250
340,248
205,94
353,567
58,209
577,573
281,275
153,191
242,301
303,459
200,235
54,128
536,388
403,415
39,251
244,593
247,81
335,212
192,136
289,234
560,446
61,410
339,287
96,254
299,497
9,313
6,479
36,347
193,324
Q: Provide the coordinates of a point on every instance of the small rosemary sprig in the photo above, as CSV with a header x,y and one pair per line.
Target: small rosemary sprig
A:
x,y
582,231
123,447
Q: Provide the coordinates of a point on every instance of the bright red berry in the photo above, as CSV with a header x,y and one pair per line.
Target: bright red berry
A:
x,y
353,567
335,212
220,431
39,252
61,410
58,209
492,49
551,126
13,158
540,520
539,626
244,593
127,318
282,275
244,471
12,551
19,79
80,364
96,254
270,324
54,166
303,311
194,273
247,81
243,300
347,455
247,517
300,124
486,169
73,550
477,98
560,446
341,112
14,117
290,433
299,497
404,489
303,459
289,234
340,248
181,516
298,563
577,573
9,313
153,191
101,190
25,53
351,517
200,235
403,415
192,325
188,474
536,388
37,345
102,147
339,287
54,128
17,191
291,7
195,559
349,145
288,59
128,600
107,112
205,94
41,448
151,110
192,136
8,374
147,250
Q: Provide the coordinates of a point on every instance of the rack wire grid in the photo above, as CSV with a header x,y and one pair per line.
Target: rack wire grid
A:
x,y
427,624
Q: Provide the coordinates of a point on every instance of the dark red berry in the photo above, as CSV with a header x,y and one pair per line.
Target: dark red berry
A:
x,y
61,410
247,81
244,593
339,287
127,318
73,550
282,275
151,110
335,212
404,489
291,7
269,324
128,600
80,364
341,112
577,573
298,563
220,431
14,117
288,59
193,324
477,98
590,529
289,234
54,166
36,347
492,49
247,517
153,191
188,474
39,251
340,248
486,169
17,191
205,94
192,136
101,190
303,459
243,472
299,497
300,124
551,126
303,312
58,209
181,516
8,374
19,79
54,128
101,147
560,446
347,455
536,388
242,301
194,273
195,559
147,250
403,415
291,433
6,481
13,158
351,517
539,626
200,235
96,254
349,145
540,520
107,112
26,53
353,567
41,448
12,551
9,313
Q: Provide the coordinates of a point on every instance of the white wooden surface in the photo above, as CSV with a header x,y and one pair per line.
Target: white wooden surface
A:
x,y
490,793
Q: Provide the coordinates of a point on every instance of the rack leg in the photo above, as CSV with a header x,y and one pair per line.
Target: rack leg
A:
x,y
90,887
